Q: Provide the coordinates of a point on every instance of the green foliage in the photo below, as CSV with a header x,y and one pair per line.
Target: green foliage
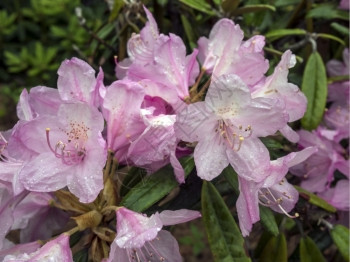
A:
x,y
195,239
315,200
309,252
155,187
224,237
315,89
268,220
275,250
341,235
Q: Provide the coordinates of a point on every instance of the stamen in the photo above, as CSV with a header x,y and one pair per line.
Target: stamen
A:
x,y
280,207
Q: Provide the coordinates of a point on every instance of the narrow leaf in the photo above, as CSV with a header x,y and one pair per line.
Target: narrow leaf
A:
x,y
231,177
340,235
225,239
309,251
155,187
253,8
315,200
268,220
229,5
331,37
275,250
118,4
199,5
278,33
314,86
188,30
340,28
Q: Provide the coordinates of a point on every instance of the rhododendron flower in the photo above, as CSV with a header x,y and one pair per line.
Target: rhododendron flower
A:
x,y
122,111
225,53
317,172
56,250
226,126
338,196
274,191
277,86
140,237
161,59
63,150
19,249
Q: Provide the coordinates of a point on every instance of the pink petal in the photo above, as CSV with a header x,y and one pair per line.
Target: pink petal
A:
x,y
179,216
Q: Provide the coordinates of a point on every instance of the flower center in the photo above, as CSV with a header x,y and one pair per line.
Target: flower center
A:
x,y
232,135
73,151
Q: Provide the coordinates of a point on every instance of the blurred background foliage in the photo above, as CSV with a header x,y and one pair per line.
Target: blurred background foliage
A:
x,y
37,35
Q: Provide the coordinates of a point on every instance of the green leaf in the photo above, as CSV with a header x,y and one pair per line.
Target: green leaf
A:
x,y
278,33
188,30
309,251
268,220
229,6
118,4
315,88
253,8
134,176
231,177
275,250
81,256
225,239
199,5
155,187
315,200
331,37
340,235
328,11
340,28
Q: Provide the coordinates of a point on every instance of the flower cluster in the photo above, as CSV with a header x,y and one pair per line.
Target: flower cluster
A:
x,y
318,172
57,159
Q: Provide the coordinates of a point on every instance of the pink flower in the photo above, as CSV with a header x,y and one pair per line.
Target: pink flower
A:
x,y
317,172
338,196
225,53
56,250
344,4
139,236
122,111
161,59
277,86
227,126
62,150
273,191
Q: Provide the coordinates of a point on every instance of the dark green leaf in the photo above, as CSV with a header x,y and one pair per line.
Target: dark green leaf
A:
x,y
155,187
328,11
332,37
253,8
118,4
199,5
278,33
309,251
231,177
275,250
340,235
188,30
134,176
229,5
315,200
340,28
268,220
225,239
315,88
81,256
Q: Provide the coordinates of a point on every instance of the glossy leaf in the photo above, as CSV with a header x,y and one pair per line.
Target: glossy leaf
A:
x,y
278,33
199,5
231,177
340,28
225,239
314,86
253,8
309,251
134,176
275,250
340,235
327,11
268,220
155,187
331,37
188,30
315,200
